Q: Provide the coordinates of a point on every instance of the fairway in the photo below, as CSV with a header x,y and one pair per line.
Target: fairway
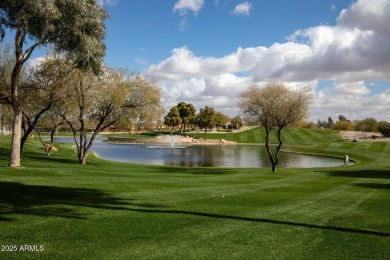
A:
x,y
107,210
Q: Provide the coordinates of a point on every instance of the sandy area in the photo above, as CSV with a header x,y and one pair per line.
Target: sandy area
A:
x,y
189,140
363,136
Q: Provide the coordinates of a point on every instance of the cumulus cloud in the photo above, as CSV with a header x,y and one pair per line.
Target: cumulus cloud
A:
x,y
243,8
182,6
353,51
353,100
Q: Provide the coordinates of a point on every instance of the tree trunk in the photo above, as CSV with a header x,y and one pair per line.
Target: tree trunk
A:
x,y
83,159
271,158
15,155
205,133
24,137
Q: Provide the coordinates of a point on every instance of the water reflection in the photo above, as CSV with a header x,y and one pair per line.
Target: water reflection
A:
x,y
204,155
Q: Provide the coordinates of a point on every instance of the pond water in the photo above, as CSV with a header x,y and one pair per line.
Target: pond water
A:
x,y
204,155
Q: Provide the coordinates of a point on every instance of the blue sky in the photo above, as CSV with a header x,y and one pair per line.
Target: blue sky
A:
x,y
206,52
144,32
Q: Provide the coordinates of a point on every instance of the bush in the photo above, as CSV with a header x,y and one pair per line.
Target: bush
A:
x,y
309,125
366,125
384,128
343,125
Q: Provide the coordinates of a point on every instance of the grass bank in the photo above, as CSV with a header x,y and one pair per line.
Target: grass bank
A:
x,y
107,210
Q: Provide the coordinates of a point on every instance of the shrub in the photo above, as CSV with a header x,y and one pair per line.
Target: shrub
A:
x,y
384,128
309,125
366,125
343,125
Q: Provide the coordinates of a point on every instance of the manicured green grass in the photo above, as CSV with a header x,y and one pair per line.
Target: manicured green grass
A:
x,y
289,136
107,210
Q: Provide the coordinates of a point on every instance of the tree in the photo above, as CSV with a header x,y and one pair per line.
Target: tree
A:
x,y
330,122
342,118
41,90
343,125
173,119
97,103
206,119
6,65
221,119
366,125
384,128
54,121
275,107
76,27
236,122
187,114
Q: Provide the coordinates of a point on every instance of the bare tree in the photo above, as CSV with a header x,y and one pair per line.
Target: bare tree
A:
x,y
43,88
97,103
275,107
51,120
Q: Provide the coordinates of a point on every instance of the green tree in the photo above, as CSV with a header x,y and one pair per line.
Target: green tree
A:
x,y
330,122
275,107
187,114
221,119
7,62
173,119
366,125
342,118
236,122
205,119
75,27
343,125
384,128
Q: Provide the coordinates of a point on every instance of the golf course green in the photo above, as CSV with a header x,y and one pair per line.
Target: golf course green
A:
x,y
54,208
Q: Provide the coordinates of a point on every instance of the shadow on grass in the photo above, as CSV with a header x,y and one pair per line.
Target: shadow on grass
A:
x,y
67,202
374,174
50,201
52,159
381,186
266,221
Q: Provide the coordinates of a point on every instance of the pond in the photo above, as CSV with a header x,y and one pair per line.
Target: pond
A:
x,y
204,155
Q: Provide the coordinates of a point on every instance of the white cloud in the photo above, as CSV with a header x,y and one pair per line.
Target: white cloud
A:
x,y
183,24
182,6
107,2
243,8
352,100
353,51
32,63
367,15
141,61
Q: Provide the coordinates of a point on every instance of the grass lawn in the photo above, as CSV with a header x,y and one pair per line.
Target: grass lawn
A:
x,y
109,210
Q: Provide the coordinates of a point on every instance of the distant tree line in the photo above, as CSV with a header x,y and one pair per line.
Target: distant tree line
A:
x,y
183,116
369,124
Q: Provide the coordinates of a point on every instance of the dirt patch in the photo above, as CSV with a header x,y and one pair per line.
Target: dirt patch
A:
x,y
358,136
177,139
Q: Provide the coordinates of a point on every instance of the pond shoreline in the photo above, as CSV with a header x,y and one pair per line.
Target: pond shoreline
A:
x,y
181,140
